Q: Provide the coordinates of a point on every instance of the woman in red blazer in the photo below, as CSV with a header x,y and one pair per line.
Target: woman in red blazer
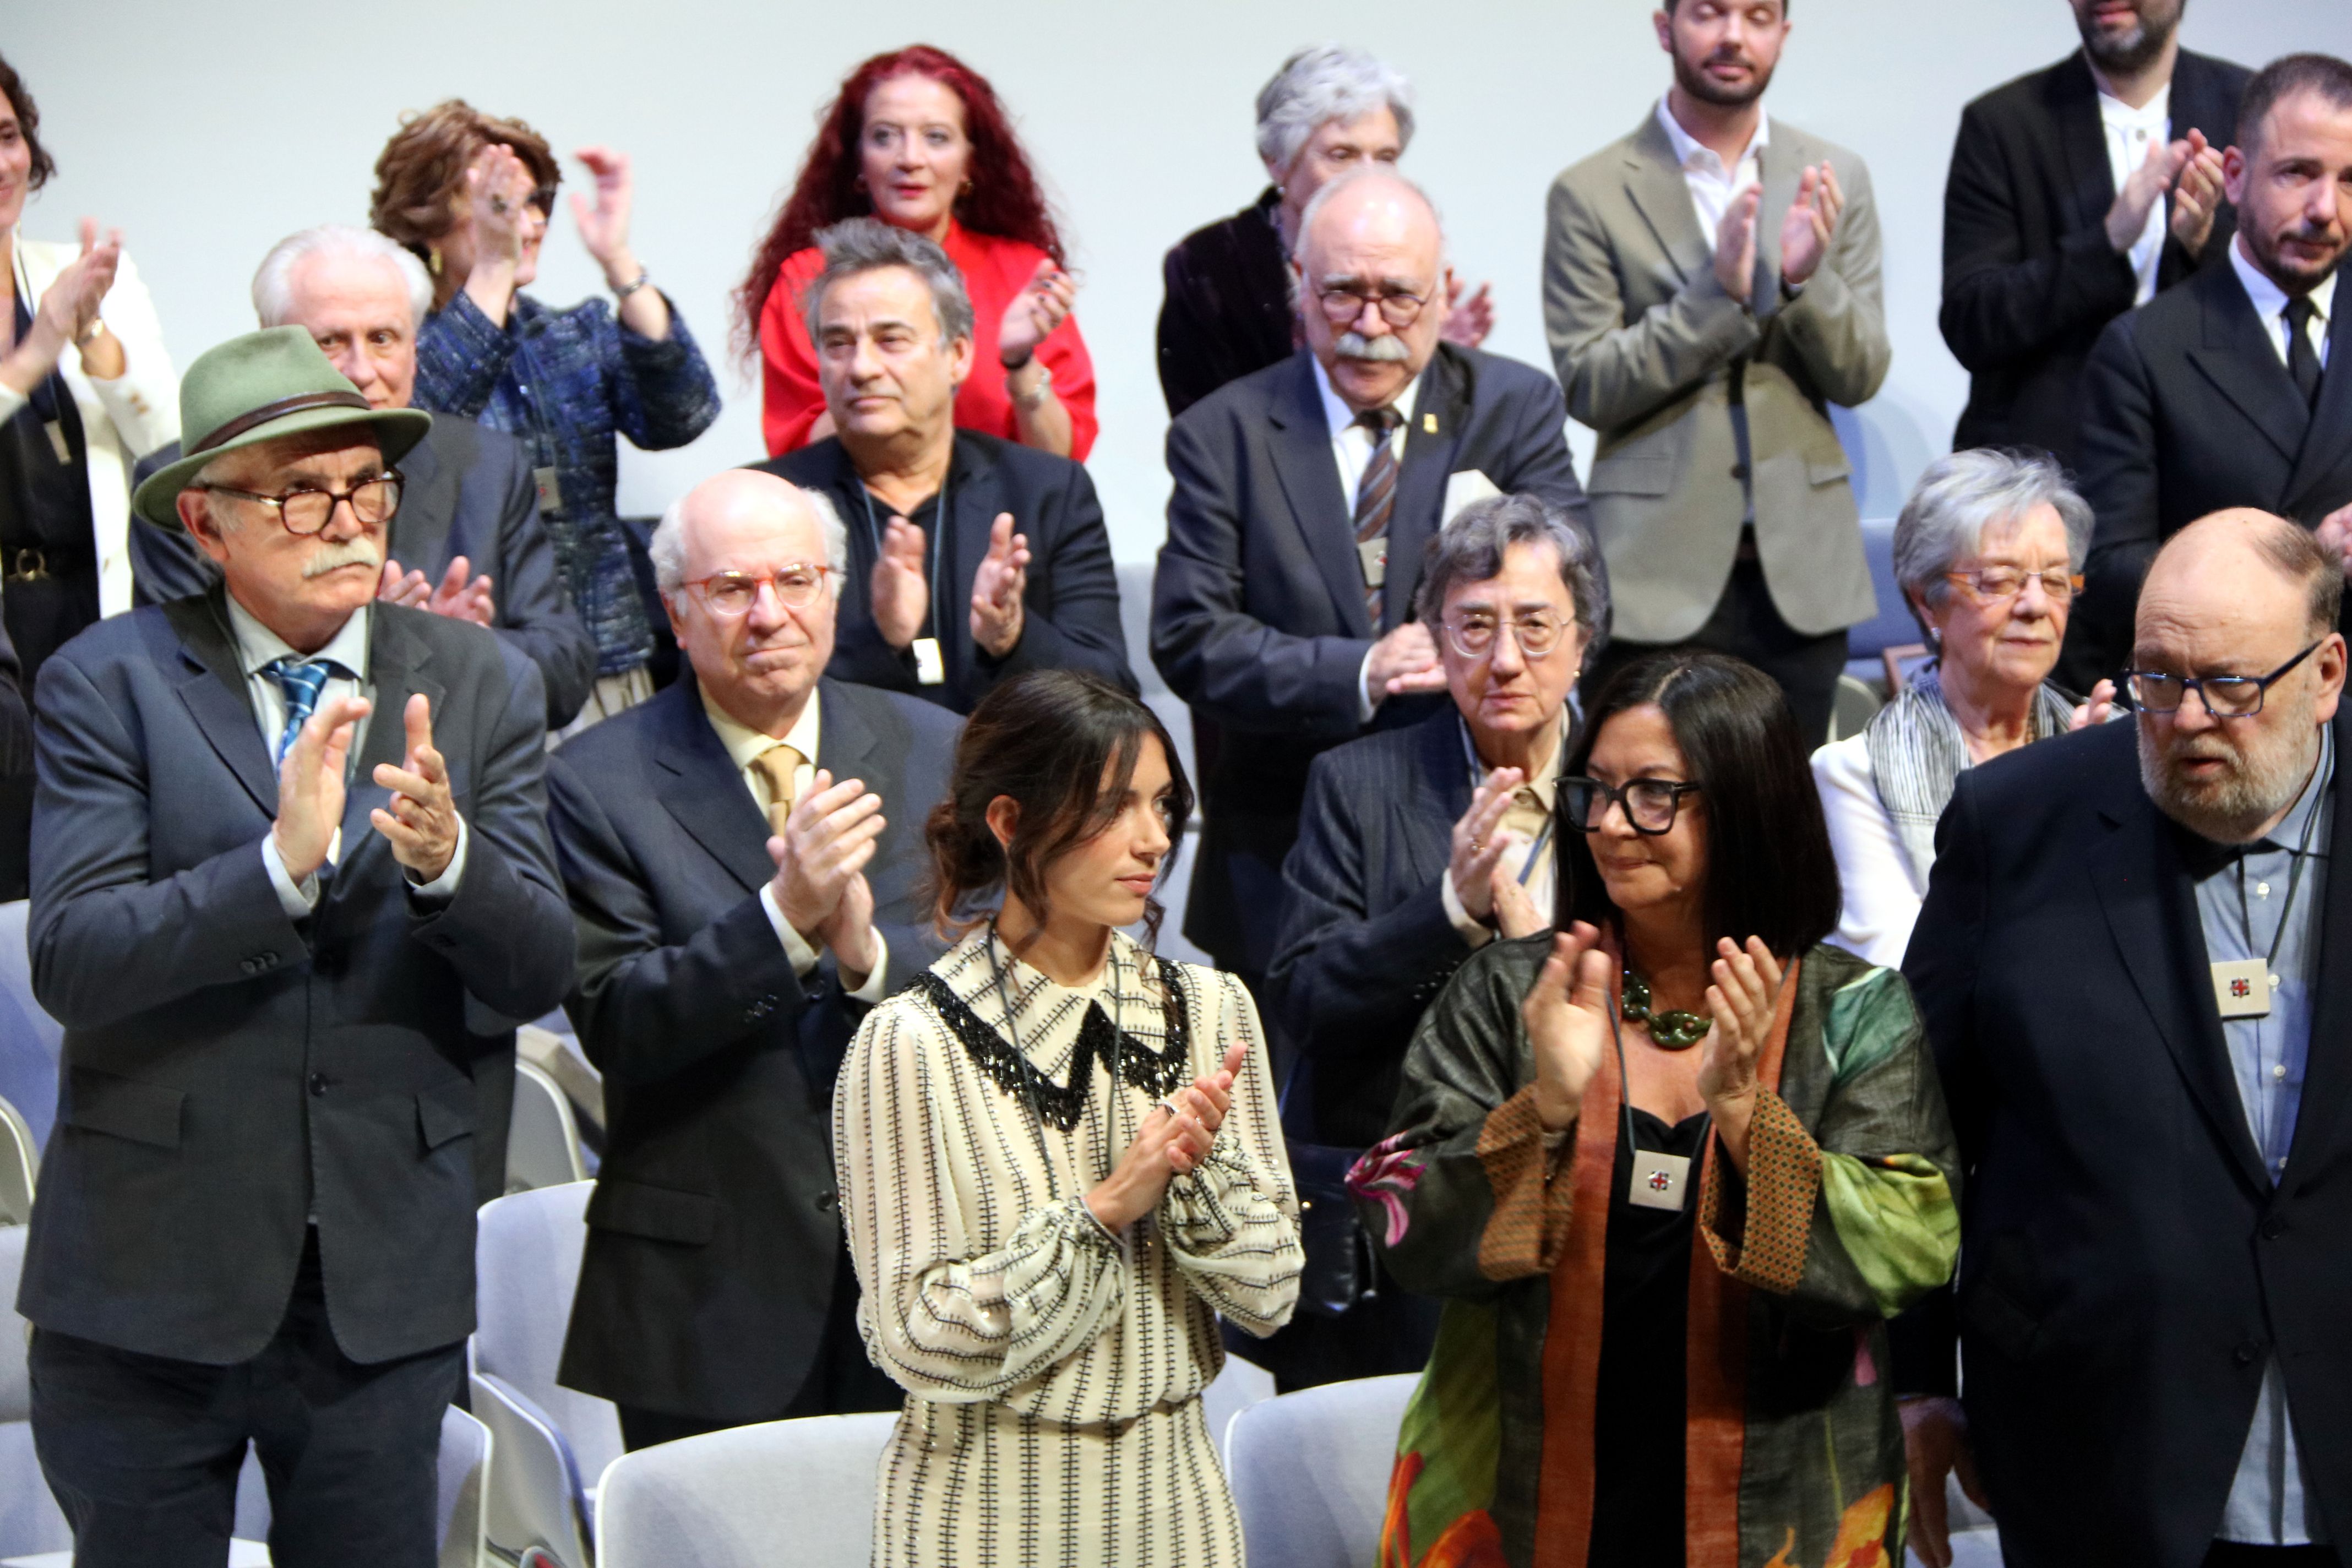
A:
x,y
918,140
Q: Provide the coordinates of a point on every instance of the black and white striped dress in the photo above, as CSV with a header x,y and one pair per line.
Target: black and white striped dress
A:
x,y
1053,1371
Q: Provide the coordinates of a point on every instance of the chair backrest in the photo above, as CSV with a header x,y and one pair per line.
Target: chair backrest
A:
x,y
1135,620
30,1039
782,1491
1893,623
543,1136
464,1473
527,1252
30,1521
1311,1471
20,1164
534,1496
1240,1385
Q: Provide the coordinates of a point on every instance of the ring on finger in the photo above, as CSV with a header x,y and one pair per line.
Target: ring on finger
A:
x,y
499,206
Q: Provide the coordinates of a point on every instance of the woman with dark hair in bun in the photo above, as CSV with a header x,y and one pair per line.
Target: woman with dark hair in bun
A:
x,y
1059,1162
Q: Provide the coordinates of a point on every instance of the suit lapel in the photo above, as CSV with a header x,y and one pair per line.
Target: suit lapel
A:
x,y
215,693
2151,912
2091,179
2235,354
397,661
428,504
707,795
2327,1071
2327,442
1301,449
975,496
1654,181
1430,442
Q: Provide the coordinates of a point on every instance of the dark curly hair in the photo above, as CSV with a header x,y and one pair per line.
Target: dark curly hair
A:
x,y
1047,740
1004,199
28,122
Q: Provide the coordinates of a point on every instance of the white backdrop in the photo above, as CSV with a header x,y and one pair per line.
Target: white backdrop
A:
x,y
206,131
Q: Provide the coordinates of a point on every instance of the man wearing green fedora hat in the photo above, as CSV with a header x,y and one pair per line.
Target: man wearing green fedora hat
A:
x,y
292,887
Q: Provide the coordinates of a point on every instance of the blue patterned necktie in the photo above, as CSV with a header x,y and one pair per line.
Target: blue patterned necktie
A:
x,y
301,681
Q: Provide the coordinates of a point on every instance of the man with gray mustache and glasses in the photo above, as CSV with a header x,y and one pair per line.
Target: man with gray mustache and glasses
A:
x,y
2122,965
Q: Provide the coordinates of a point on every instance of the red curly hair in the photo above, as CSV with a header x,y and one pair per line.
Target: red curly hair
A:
x,y
1004,199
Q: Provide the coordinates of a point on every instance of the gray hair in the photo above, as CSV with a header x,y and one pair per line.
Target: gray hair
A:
x,y
867,245
1321,84
667,546
1471,546
273,281
1961,494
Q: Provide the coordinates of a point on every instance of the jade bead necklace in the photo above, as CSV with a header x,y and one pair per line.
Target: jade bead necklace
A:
x,y
1668,1031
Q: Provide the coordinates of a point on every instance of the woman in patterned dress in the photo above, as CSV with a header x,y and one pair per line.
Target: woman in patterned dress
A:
x,y
1059,1161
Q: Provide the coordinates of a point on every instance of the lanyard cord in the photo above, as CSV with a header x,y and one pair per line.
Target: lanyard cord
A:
x,y
1478,779
938,542
1029,1076
2295,873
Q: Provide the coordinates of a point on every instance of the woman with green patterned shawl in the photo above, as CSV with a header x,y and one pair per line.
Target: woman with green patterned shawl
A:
x,y
1645,1363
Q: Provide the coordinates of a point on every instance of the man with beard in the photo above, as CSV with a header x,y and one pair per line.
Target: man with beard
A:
x,y
1710,287
2077,193
1282,610
2217,393
2122,968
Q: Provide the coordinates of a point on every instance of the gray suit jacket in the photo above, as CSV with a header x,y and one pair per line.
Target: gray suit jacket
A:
x,y
1650,349
229,1073
469,493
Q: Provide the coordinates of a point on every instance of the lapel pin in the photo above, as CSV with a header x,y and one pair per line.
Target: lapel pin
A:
x,y
1429,423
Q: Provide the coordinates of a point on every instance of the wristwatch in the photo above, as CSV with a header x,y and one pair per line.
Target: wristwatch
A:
x,y
88,334
625,289
1031,402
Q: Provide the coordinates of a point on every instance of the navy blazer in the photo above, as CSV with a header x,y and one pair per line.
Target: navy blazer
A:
x,y
469,493
714,1235
2188,409
1071,607
2127,1266
1365,944
1257,607
229,1073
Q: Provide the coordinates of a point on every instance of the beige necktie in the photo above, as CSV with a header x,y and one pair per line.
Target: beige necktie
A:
x,y
777,764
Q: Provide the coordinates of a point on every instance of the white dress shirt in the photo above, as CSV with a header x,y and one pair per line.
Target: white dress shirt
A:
x,y
2130,133
1712,187
1351,450
258,647
745,746
1534,864
2270,301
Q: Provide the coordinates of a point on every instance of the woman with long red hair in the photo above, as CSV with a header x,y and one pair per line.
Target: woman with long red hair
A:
x,y
919,140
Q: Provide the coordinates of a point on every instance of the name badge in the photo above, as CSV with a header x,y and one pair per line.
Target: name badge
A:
x,y
2241,988
1660,1181
930,670
57,443
550,494
1372,555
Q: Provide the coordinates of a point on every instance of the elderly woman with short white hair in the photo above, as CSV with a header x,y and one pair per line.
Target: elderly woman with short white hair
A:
x,y
1330,111
1989,553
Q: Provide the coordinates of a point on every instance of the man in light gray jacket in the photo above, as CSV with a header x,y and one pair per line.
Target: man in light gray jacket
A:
x,y
1710,286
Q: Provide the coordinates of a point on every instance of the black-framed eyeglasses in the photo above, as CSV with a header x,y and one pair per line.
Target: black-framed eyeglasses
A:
x,y
307,510
1342,305
734,593
1472,635
2224,695
1649,805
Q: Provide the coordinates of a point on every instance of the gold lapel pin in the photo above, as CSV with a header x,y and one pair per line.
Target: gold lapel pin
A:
x,y
1429,423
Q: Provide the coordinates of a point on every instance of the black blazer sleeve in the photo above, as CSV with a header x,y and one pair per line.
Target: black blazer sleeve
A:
x,y
1070,611
1544,465
2120,479
534,613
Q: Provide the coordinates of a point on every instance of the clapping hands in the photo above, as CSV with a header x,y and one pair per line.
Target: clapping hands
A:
x,y
1175,1139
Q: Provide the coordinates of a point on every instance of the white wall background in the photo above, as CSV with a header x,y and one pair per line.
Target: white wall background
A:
x,y
207,130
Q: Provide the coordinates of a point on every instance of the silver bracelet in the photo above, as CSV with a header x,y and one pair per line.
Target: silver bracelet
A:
x,y
625,289
1030,402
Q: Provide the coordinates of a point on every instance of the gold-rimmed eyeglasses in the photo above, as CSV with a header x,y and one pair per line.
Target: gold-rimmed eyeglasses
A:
x,y
734,593
1472,635
2000,584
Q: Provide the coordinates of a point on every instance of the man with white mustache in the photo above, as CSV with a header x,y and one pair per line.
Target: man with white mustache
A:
x,y
1282,611
2121,964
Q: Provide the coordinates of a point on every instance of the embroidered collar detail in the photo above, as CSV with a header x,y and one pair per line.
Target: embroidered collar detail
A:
x,y
1156,1073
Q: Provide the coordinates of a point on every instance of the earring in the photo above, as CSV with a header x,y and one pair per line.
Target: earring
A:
x,y
433,262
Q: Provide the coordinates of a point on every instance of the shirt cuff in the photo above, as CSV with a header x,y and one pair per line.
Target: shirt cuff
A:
x,y
796,946
297,899
1365,702
872,990
1472,930
443,888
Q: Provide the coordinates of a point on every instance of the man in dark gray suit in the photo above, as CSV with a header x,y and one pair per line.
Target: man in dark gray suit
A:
x,y
292,887
743,853
468,525
1283,608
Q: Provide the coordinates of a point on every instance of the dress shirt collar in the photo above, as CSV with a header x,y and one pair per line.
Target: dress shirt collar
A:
x,y
1545,779
2289,833
257,646
744,744
1336,410
2270,299
2151,117
1690,152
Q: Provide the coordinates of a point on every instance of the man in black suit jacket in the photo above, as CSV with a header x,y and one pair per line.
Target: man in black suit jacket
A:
x,y
288,990
2207,399
469,493
1282,610
723,969
2142,1041
1018,576
2056,222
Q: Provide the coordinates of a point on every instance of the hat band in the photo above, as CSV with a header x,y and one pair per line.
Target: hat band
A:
x,y
238,427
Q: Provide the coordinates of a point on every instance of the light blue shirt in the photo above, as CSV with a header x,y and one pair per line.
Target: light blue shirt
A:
x,y
2244,908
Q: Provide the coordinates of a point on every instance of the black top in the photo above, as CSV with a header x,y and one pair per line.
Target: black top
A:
x,y
47,552
1228,307
1639,1408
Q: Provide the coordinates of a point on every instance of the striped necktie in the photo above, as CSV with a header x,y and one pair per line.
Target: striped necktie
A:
x,y
1375,499
299,681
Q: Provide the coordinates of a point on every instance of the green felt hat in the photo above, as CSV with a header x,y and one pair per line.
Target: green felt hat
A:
x,y
257,388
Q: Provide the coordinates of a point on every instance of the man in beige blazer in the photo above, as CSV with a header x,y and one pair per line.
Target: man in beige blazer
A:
x,y
1710,286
